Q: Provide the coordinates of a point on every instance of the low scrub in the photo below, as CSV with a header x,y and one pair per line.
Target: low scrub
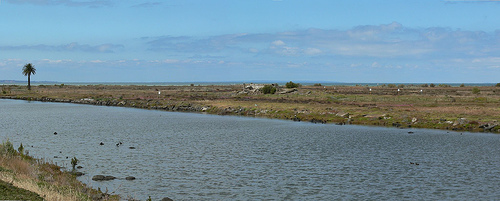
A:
x,y
292,85
268,89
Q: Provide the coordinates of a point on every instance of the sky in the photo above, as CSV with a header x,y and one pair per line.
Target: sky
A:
x,y
354,41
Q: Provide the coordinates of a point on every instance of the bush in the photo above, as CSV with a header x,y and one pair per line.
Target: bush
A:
x,y
401,86
498,85
21,149
424,85
476,90
292,85
391,85
8,149
432,85
268,89
318,84
462,85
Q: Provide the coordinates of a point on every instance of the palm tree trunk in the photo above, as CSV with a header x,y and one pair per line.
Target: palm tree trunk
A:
x,y
29,81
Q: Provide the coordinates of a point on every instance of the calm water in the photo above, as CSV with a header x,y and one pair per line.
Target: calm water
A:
x,y
200,157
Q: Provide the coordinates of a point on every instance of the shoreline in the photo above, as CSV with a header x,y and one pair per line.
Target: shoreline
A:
x,y
23,177
444,108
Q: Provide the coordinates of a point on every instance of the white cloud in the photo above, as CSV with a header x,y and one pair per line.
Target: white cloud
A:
x,y
73,3
278,43
382,41
312,51
103,48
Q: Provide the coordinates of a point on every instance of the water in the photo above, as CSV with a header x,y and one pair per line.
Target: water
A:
x,y
188,156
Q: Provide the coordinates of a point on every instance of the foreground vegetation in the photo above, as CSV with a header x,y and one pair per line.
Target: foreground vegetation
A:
x,y
464,108
25,178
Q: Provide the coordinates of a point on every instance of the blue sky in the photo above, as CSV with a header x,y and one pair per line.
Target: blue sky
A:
x,y
410,41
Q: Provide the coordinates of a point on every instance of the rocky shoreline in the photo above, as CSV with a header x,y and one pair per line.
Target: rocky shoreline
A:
x,y
341,118
464,108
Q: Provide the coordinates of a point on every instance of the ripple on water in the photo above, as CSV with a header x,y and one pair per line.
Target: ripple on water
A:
x,y
197,157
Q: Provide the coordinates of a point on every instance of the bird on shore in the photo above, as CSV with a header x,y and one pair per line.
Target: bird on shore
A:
x,y
118,144
101,143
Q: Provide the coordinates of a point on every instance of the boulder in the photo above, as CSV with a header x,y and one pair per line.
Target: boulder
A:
x,y
342,114
166,199
488,127
107,178
288,91
414,120
98,177
78,174
130,178
102,178
461,121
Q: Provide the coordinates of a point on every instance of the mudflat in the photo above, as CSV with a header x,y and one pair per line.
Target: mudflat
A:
x,y
465,108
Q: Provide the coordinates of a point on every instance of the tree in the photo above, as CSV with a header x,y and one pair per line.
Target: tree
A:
x,y
28,70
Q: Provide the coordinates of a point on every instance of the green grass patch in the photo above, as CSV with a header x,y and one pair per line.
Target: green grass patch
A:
x,y
10,192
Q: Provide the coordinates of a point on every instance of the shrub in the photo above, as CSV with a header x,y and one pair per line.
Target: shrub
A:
x,y
391,85
476,90
498,85
424,85
432,85
8,148
268,89
318,84
462,85
292,85
401,86
21,149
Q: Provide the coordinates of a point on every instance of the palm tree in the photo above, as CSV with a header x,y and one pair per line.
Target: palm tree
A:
x,y
29,69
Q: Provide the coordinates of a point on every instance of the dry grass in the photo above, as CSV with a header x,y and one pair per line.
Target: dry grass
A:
x,y
43,178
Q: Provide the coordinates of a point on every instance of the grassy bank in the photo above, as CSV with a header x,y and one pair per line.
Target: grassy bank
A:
x,y
464,108
25,178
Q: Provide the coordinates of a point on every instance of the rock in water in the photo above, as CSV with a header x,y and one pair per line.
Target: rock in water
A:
x,y
98,177
130,178
102,178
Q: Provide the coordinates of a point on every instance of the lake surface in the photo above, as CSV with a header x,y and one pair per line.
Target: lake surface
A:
x,y
186,156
